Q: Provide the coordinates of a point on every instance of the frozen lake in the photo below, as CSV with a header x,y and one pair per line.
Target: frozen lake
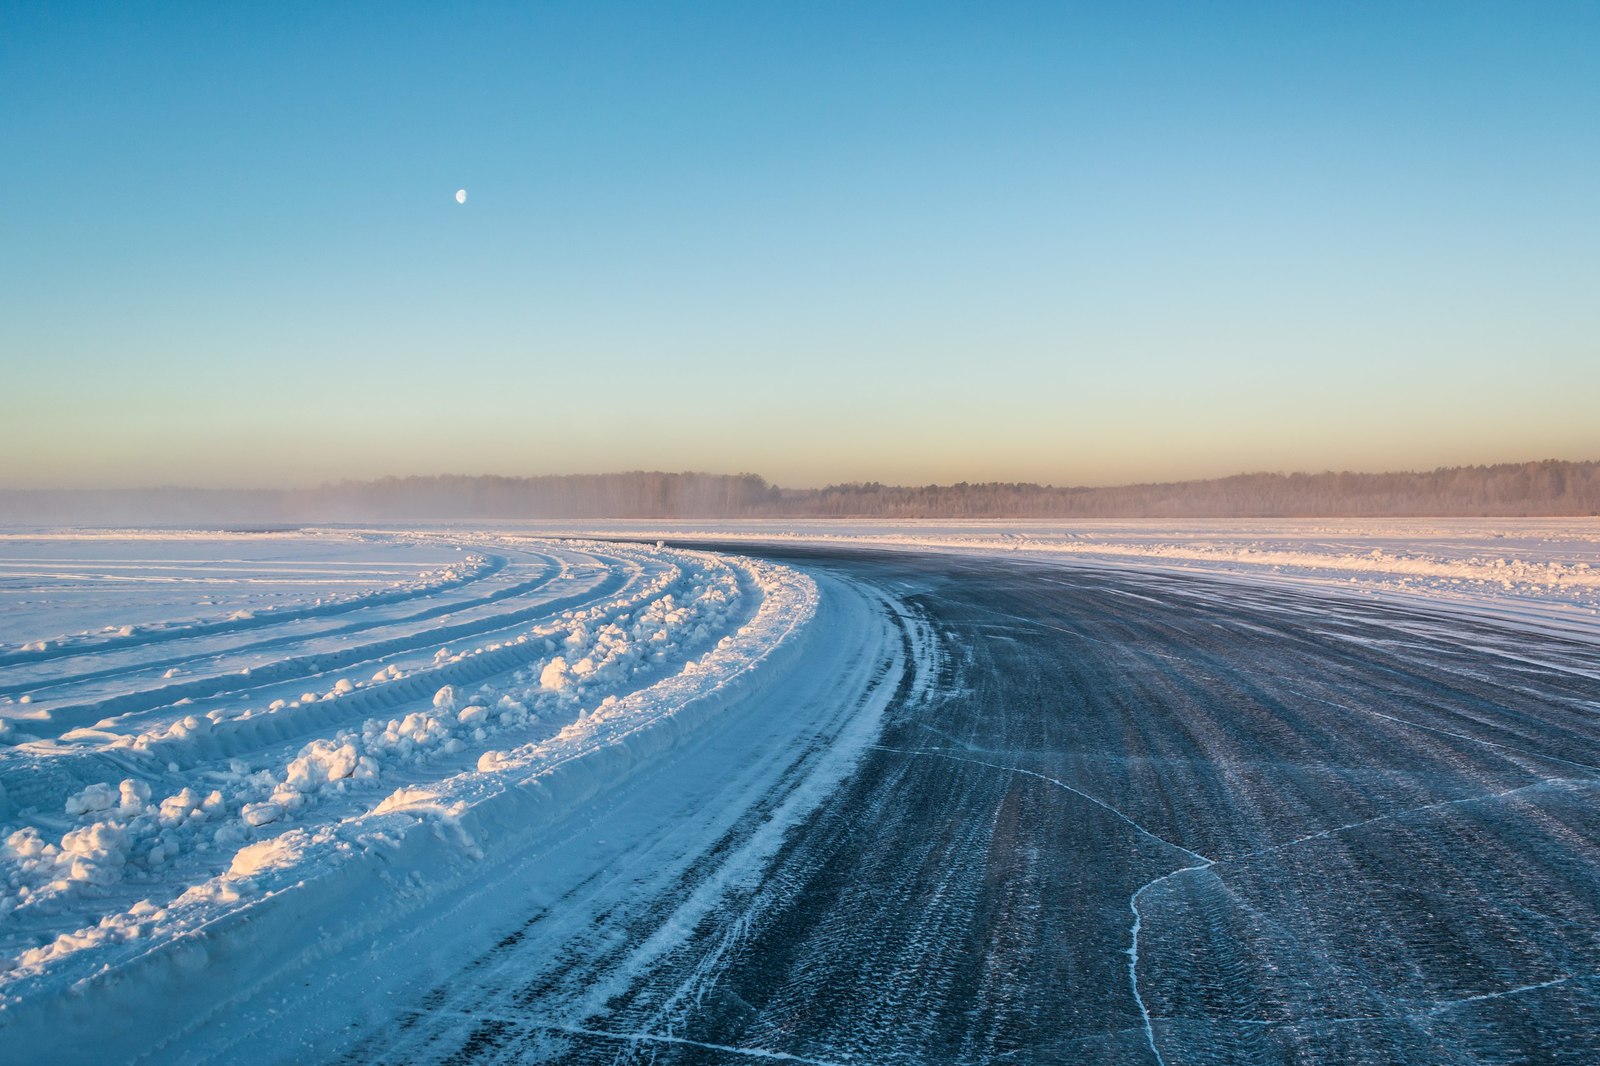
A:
x,y
886,795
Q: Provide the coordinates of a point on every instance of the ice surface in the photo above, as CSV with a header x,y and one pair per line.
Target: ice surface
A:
x,y
1536,569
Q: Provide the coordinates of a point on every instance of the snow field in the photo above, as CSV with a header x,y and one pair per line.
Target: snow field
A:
x,y
27,565
1537,568
213,810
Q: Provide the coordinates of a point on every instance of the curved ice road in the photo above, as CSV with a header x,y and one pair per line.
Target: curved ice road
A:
x,y
1138,817
875,806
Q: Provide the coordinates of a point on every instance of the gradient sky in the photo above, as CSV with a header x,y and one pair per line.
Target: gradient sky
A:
x,y
1072,243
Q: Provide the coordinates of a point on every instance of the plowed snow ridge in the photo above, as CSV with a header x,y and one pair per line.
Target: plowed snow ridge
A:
x,y
171,777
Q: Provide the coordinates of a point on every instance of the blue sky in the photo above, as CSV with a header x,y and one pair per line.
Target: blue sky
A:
x,y
907,242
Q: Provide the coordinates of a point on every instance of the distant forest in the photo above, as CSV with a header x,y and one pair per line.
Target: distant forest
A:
x,y
1549,488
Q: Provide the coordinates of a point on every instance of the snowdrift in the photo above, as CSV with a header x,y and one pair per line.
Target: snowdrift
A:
x,y
167,826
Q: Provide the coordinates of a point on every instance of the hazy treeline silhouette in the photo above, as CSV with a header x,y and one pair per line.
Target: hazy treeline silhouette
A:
x,y
637,494
1548,488
1551,487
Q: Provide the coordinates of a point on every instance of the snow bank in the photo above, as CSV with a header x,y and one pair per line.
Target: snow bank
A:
x,y
118,878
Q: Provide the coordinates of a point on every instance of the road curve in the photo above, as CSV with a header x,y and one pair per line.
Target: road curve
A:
x,y
1147,817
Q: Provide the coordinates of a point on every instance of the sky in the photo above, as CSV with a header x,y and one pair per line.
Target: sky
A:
x,y
823,242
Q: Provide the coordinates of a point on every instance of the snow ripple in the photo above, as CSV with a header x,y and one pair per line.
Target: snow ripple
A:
x,y
200,801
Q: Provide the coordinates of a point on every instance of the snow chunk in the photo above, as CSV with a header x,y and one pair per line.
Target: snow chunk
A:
x,y
265,855
321,762
175,810
190,726
96,853
261,813
407,798
554,677
133,795
97,797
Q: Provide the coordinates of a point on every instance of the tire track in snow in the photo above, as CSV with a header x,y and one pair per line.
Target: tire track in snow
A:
x,y
68,716
689,609
563,969
142,663
485,567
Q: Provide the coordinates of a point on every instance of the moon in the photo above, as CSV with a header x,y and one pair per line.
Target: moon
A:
x,y
461,196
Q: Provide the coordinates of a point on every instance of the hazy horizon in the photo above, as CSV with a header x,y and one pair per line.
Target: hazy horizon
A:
x,y
1551,488
775,482
1064,245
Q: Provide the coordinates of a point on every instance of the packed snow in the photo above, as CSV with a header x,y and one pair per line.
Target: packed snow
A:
x,y
271,732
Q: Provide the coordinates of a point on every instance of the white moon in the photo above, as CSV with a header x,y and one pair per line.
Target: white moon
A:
x,y
461,196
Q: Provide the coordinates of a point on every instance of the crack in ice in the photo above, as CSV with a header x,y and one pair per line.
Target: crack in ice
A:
x,y
1206,863
1504,748
528,1025
1102,804
658,1038
1536,986
1132,950
1435,1009
1486,743
1133,953
1391,815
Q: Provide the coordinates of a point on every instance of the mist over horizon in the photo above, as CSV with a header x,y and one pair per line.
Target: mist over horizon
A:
x,y
1542,488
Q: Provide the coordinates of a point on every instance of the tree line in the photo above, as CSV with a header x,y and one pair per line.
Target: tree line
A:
x,y
1551,488
1546,488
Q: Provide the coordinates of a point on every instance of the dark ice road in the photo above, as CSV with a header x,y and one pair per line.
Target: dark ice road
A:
x,y
1167,818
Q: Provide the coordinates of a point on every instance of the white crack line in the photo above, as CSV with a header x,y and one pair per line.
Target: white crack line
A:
x,y
1133,901
1102,804
1494,745
1392,815
529,1025
1206,863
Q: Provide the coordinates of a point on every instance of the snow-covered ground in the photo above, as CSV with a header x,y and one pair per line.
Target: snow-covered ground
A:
x,y
206,740
228,759
1544,570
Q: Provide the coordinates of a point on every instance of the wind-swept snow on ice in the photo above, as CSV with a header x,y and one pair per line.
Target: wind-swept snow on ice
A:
x,y
1044,794
1534,568
295,723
